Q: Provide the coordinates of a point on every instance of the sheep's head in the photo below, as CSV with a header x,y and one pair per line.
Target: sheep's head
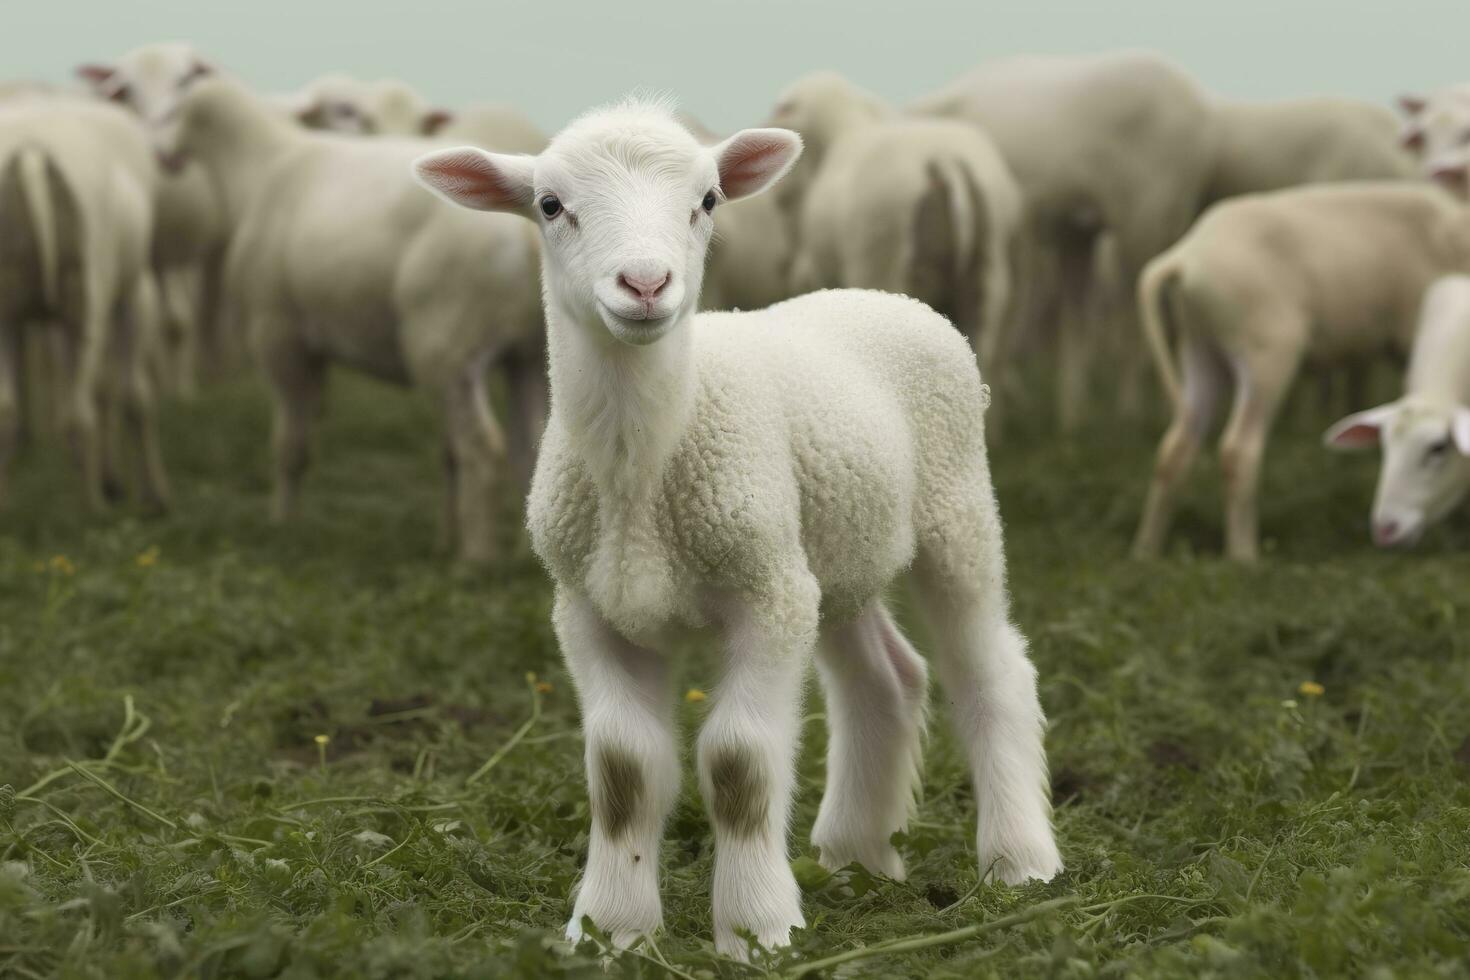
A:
x,y
821,107
625,199
1426,463
344,104
1438,131
149,80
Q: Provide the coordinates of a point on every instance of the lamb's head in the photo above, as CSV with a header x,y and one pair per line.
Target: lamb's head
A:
x,y
1426,463
345,104
149,80
1438,131
626,201
821,107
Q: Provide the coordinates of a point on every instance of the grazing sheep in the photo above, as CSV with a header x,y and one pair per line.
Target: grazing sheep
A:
x,y
76,198
750,256
1425,434
1438,132
190,235
1117,144
389,107
1264,282
339,258
767,474
924,207
1270,146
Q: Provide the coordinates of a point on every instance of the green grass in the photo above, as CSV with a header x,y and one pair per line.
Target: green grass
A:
x,y
182,819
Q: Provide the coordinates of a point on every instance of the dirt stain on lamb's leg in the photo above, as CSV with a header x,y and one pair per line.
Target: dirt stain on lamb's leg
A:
x,y
620,784
740,799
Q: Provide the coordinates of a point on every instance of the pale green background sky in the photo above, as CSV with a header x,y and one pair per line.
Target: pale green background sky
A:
x,y
726,61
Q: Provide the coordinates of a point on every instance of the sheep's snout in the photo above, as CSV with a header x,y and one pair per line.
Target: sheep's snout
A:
x,y
1390,532
643,286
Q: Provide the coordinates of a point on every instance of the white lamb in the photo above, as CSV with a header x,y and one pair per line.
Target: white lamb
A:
x,y
1425,434
767,474
339,258
1438,132
76,198
923,207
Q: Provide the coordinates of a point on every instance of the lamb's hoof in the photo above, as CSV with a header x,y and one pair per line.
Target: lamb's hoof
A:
x,y
113,490
621,938
774,936
882,859
1038,861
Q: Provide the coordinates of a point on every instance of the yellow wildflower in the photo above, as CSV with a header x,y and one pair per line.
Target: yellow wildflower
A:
x,y
322,739
543,687
148,558
59,563
694,695
1311,689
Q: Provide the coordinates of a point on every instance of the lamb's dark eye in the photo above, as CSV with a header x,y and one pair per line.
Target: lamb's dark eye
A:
x,y
709,201
1438,449
550,206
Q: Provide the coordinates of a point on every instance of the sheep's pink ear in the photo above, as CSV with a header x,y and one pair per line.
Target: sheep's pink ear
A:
x,y
103,78
1360,430
754,159
1460,430
1412,105
472,178
435,120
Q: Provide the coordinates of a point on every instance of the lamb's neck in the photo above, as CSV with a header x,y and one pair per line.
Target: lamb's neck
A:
x,y
238,160
624,408
1439,369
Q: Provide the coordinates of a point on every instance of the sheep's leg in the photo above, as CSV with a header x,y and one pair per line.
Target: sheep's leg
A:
x,y
180,289
1262,383
82,358
1075,330
990,686
876,688
139,405
993,345
478,449
526,380
12,395
1203,385
299,379
632,770
747,766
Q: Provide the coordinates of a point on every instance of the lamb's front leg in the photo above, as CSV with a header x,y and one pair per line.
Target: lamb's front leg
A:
x,y
747,763
632,770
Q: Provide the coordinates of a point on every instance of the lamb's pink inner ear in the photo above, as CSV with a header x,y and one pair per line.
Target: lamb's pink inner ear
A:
x,y
1412,105
472,178
435,120
753,159
97,75
1360,431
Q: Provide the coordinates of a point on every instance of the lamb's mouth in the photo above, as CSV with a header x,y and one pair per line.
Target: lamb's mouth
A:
x,y
635,329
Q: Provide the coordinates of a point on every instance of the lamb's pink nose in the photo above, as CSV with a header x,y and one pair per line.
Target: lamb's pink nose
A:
x,y
645,287
1385,533
1453,174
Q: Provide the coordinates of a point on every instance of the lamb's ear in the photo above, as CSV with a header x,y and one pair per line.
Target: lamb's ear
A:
x,y
103,78
754,159
435,120
1411,104
1360,430
1460,430
472,178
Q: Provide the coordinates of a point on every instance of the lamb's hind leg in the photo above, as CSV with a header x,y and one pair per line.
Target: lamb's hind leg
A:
x,y
632,770
477,445
299,379
990,686
1262,382
876,688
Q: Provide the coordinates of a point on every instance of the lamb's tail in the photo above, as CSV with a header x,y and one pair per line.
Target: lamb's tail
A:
x,y
947,247
1156,289
33,173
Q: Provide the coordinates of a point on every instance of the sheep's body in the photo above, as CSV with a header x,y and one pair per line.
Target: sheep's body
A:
x,y
767,474
1119,144
826,436
1275,145
76,204
923,207
339,258
493,127
1425,435
1267,282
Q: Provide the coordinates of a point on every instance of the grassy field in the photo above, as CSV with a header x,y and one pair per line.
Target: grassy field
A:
x,y
239,750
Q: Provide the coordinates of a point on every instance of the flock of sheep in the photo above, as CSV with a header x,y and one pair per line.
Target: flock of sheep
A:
x,y
766,474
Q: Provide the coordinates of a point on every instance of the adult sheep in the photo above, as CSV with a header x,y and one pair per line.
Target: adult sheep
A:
x,y
76,198
1266,282
923,207
340,259
1118,144
1425,435
190,234
767,474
